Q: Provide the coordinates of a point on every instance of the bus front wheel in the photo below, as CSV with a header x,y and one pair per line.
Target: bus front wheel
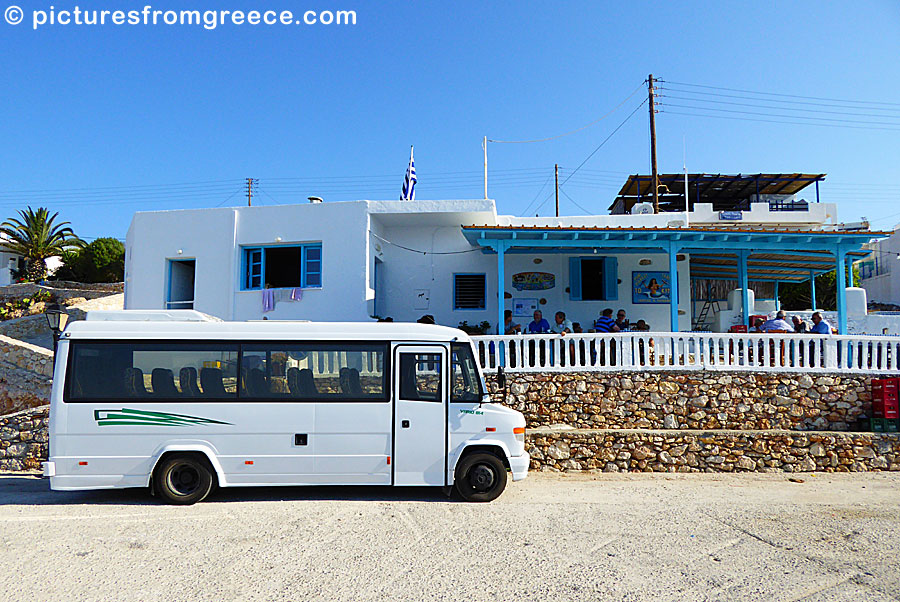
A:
x,y
183,479
480,477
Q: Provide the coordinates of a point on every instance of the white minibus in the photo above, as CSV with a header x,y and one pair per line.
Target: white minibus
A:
x,y
181,403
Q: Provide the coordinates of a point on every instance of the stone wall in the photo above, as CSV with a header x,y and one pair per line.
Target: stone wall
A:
x,y
25,375
711,451
35,326
23,439
688,400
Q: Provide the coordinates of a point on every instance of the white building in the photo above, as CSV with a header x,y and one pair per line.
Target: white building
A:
x,y
879,273
357,260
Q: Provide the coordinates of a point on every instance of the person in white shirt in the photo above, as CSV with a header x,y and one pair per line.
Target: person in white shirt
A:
x,y
561,326
777,323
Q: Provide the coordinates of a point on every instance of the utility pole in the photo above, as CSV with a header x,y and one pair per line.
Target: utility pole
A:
x,y
484,146
250,183
556,175
653,144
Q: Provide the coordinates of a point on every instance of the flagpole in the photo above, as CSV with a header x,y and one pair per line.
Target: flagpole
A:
x,y
687,204
484,146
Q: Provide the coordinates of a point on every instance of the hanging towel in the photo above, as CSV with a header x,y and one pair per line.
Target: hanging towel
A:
x,y
268,300
296,294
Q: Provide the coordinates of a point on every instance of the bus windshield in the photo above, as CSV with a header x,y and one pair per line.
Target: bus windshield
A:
x,y
466,384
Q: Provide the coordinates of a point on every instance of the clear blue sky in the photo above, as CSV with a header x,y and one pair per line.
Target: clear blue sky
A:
x,y
111,120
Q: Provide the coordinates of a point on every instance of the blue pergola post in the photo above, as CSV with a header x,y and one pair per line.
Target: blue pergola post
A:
x,y
744,282
501,278
841,290
812,288
777,300
849,271
673,286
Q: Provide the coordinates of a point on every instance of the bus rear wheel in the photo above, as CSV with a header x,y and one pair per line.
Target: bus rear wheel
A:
x,y
183,479
480,477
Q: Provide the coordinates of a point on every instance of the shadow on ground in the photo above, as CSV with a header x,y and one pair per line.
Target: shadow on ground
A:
x,y
30,490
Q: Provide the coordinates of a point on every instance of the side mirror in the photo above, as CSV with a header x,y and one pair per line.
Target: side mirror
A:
x,y
501,379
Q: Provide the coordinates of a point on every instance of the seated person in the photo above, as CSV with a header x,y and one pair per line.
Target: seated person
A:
x,y
777,323
757,325
561,325
539,325
576,328
820,326
621,321
799,325
605,322
510,327
641,326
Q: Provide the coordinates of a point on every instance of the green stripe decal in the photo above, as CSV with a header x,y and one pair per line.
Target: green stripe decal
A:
x,y
143,417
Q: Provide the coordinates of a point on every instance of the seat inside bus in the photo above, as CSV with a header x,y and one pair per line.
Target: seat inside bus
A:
x,y
187,378
134,382
301,382
211,381
163,382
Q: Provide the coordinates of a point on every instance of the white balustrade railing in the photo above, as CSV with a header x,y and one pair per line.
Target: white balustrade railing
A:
x,y
767,352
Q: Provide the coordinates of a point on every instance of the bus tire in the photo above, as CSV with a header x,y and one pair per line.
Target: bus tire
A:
x,y
183,479
480,477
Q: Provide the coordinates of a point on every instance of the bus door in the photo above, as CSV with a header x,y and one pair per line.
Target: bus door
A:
x,y
420,414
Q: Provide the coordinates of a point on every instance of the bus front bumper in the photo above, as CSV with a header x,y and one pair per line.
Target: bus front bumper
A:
x,y
49,469
518,465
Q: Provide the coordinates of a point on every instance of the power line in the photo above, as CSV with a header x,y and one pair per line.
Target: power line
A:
x,y
777,100
759,106
831,119
586,212
853,127
894,104
593,152
575,131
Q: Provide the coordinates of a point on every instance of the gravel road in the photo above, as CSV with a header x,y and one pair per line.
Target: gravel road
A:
x,y
550,537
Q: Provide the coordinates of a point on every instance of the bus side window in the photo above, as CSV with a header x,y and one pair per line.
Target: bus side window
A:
x,y
420,377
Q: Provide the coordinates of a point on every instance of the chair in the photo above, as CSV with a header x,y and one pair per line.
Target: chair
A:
x,y
255,384
211,381
187,378
353,384
163,382
134,383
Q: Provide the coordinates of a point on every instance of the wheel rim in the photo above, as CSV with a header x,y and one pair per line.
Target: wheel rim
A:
x,y
482,477
184,479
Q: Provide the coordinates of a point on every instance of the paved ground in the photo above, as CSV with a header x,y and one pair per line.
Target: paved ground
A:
x,y
603,537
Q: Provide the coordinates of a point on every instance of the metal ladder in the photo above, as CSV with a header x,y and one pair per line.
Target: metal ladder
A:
x,y
700,323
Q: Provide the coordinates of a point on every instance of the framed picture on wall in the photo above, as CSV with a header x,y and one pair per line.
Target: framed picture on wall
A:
x,y
524,307
650,288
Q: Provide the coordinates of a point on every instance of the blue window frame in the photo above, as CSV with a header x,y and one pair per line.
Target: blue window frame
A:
x,y
289,265
469,291
593,279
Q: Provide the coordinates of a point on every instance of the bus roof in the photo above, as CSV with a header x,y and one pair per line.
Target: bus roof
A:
x,y
261,330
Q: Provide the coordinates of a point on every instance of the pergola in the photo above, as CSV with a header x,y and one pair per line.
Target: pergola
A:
x,y
726,192
759,254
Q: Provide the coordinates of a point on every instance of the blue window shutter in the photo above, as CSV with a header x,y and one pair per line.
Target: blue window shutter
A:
x,y
575,278
253,268
610,278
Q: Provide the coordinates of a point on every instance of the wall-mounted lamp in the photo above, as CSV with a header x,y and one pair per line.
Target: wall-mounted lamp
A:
x,y
645,261
277,239
180,251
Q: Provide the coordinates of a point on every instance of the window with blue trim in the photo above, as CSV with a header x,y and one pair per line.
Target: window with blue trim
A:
x,y
469,291
283,266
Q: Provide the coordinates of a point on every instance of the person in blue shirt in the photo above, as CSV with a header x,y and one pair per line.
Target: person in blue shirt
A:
x,y
605,322
820,326
539,325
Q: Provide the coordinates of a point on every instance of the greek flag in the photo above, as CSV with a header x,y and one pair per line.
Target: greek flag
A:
x,y
409,182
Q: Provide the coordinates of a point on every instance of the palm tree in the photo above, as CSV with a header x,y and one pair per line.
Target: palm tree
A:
x,y
35,236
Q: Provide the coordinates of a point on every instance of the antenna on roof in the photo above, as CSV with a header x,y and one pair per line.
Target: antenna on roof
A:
x,y
687,205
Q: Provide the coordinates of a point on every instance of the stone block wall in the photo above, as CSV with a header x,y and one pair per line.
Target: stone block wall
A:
x,y
711,451
26,373
688,400
24,439
34,326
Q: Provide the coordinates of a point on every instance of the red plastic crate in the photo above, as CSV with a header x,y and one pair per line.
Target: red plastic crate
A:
x,y
884,389
886,408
